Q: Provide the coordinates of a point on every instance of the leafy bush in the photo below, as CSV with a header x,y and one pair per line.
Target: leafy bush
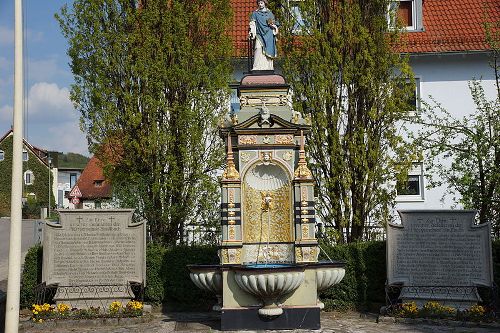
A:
x,y
495,246
31,276
168,277
31,209
364,281
181,291
168,282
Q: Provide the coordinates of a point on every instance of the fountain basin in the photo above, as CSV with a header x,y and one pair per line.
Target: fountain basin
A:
x,y
327,275
208,278
269,282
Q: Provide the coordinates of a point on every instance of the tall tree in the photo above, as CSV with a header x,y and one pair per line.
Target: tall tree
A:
x,y
150,83
464,153
341,61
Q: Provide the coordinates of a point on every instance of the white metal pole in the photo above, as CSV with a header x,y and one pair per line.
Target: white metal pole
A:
x,y
14,277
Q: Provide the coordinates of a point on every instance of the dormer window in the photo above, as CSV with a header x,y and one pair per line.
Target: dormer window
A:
x,y
408,13
98,183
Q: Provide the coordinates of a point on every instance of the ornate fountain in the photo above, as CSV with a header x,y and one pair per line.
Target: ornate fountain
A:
x,y
269,276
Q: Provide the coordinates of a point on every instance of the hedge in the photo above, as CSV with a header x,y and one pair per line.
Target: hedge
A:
x,y
168,282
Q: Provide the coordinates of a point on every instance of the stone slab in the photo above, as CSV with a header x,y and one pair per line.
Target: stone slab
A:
x,y
94,248
442,248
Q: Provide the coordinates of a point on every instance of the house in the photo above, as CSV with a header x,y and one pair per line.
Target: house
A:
x,y
66,180
68,168
38,177
92,190
447,49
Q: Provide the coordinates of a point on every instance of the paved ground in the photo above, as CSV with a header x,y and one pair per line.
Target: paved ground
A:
x,y
331,322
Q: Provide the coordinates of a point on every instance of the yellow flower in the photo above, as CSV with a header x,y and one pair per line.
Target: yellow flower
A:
x,y
62,308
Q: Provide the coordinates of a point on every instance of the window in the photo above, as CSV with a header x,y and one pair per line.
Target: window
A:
x,y
98,183
97,205
413,188
25,155
72,179
414,98
296,16
407,12
29,177
2,155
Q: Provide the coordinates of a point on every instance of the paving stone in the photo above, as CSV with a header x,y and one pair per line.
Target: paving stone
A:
x,y
331,322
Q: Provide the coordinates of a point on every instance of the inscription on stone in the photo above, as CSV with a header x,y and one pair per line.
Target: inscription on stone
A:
x,y
439,248
94,247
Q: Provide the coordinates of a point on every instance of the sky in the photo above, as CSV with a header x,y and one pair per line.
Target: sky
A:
x,y
52,122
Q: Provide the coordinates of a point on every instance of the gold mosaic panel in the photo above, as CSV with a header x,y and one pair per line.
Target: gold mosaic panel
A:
x,y
231,256
255,220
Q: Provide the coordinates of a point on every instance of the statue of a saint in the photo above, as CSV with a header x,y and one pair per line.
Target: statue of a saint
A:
x,y
263,28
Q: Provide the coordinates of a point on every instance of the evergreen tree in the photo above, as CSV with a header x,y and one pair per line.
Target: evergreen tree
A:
x,y
342,62
150,83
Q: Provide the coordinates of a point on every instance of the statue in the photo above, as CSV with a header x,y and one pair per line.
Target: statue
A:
x,y
263,28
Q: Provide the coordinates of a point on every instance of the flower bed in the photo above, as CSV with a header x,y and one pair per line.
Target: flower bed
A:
x,y
435,310
44,312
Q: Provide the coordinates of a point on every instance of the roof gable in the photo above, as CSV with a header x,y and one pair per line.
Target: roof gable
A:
x,y
92,183
40,154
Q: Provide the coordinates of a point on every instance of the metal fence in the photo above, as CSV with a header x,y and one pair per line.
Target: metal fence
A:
x,y
86,296
459,297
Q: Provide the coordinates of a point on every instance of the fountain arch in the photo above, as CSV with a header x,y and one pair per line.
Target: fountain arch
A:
x,y
268,232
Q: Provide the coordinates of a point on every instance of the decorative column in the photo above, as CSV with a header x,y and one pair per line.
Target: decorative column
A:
x,y
231,210
306,249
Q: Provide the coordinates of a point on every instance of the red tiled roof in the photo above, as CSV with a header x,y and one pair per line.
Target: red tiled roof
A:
x,y
239,32
87,182
449,26
453,26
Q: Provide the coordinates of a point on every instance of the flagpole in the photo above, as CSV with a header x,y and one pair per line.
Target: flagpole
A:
x,y
14,277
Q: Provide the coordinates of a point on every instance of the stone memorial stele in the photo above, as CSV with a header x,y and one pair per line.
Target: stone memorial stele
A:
x,y
93,256
439,255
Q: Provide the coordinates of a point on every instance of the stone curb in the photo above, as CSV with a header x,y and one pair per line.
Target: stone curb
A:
x,y
436,322
72,323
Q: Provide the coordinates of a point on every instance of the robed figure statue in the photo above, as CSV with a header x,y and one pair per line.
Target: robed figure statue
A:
x,y
263,28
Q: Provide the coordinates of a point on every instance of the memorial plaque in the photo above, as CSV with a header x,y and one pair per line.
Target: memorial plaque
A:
x,y
94,254
441,252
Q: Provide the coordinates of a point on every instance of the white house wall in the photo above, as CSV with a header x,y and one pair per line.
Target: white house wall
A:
x,y
446,78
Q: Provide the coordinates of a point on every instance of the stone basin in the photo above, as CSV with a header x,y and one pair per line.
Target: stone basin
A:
x,y
208,278
269,282
327,274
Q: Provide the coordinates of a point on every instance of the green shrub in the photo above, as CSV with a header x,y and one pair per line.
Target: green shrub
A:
x,y
181,291
495,249
364,281
168,282
31,276
155,291
167,277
